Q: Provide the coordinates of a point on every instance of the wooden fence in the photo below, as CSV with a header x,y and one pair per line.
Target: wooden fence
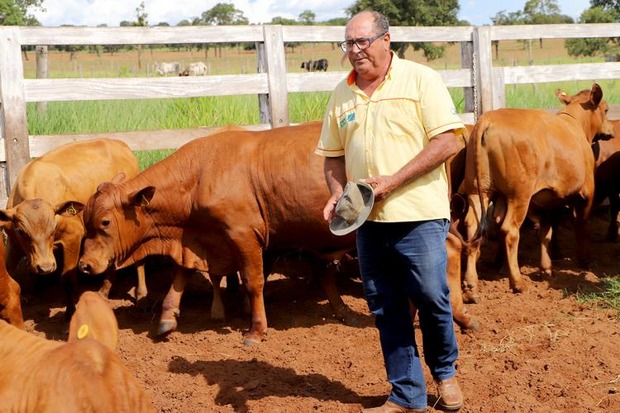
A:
x,y
484,84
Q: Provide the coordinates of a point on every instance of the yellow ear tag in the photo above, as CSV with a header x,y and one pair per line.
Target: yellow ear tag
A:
x,y
82,331
563,93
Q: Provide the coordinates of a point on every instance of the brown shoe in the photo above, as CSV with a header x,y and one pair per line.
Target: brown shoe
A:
x,y
450,396
390,407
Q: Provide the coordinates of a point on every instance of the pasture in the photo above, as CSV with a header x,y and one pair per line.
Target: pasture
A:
x,y
545,350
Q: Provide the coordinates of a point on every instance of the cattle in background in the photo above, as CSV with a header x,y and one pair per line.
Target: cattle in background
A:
x,y
82,375
528,162
607,177
234,199
320,65
307,65
10,299
170,68
195,69
42,220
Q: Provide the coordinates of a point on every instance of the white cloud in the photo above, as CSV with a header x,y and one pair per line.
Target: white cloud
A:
x,y
112,12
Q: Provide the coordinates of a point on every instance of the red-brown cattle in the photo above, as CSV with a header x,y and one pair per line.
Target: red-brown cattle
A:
x,y
10,299
526,162
607,177
215,205
42,216
81,375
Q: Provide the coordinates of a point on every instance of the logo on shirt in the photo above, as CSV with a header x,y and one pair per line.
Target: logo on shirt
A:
x,y
349,117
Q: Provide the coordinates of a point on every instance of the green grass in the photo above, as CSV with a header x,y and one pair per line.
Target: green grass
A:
x,y
607,297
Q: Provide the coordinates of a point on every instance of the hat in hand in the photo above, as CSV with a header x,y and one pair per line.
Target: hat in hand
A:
x,y
352,208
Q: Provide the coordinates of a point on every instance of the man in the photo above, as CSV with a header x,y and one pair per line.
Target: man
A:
x,y
392,124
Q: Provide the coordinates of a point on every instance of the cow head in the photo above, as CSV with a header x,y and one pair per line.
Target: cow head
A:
x,y
115,223
35,226
588,108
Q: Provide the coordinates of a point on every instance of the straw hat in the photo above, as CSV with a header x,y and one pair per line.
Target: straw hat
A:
x,y
352,208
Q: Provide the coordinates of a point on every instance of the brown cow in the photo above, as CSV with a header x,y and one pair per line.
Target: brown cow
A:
x,y
218,204
528,161
39,220
81,375
607,177
10,300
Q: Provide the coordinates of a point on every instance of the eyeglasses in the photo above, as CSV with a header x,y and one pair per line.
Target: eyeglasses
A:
x,y
362,43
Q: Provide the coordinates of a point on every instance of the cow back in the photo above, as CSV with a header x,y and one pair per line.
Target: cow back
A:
x,y
73,171
45,376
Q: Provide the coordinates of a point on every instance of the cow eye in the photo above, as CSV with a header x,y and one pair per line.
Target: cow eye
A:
x,y
105,223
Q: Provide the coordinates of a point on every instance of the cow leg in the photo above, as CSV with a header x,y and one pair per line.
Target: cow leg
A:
x,y
141,289
545,234
582,234
328,274
68,282
170,306
470,279
515,215
614,208
453,274
254,281
108,281
217,305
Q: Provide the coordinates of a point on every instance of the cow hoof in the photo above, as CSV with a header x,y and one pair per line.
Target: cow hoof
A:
x,y
471,297
471,326
251,339
143,304
519,288
250,342
166,327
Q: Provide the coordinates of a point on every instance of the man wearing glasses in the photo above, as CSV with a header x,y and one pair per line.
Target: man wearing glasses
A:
x,y
392,124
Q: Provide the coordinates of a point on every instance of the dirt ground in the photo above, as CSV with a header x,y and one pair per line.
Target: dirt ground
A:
x,y
540,351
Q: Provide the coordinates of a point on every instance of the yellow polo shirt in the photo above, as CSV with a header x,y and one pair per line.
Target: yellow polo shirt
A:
x,y
382,133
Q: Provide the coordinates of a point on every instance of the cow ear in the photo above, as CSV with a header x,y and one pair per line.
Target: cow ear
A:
x,y
142,197
596,94
119,178
563,96
69,208
6,217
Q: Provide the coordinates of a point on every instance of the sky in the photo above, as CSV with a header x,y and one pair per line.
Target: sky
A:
x,y
112,12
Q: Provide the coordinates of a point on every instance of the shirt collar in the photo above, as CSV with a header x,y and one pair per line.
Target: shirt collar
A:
x,y
353,74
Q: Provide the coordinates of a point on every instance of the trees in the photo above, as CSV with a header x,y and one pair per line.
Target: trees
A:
x,y
414,13
224,14
595,46
16,12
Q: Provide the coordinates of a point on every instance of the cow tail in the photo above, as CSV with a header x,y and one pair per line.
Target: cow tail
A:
x,y
482,170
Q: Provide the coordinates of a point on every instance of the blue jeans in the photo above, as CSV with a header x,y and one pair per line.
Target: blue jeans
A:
x,y
400,262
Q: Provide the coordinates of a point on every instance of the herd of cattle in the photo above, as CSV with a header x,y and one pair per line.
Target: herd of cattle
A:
x,y
224,204
319,65
176,68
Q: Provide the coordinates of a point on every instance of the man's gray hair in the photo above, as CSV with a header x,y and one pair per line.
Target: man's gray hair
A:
x,y
380,22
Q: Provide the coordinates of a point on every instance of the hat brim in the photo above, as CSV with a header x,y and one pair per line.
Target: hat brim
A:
x,y
339,226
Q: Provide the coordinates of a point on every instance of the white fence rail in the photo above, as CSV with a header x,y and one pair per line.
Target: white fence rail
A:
x,y
484,83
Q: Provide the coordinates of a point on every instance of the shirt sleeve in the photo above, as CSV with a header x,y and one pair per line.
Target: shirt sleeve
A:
x,y
438,111
330,144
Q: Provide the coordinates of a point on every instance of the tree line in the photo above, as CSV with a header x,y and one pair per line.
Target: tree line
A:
x,y
399,12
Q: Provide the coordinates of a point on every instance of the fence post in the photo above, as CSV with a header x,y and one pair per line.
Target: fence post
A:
x,y
484,68
276,74
13,106
263,98
467,62
42,71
